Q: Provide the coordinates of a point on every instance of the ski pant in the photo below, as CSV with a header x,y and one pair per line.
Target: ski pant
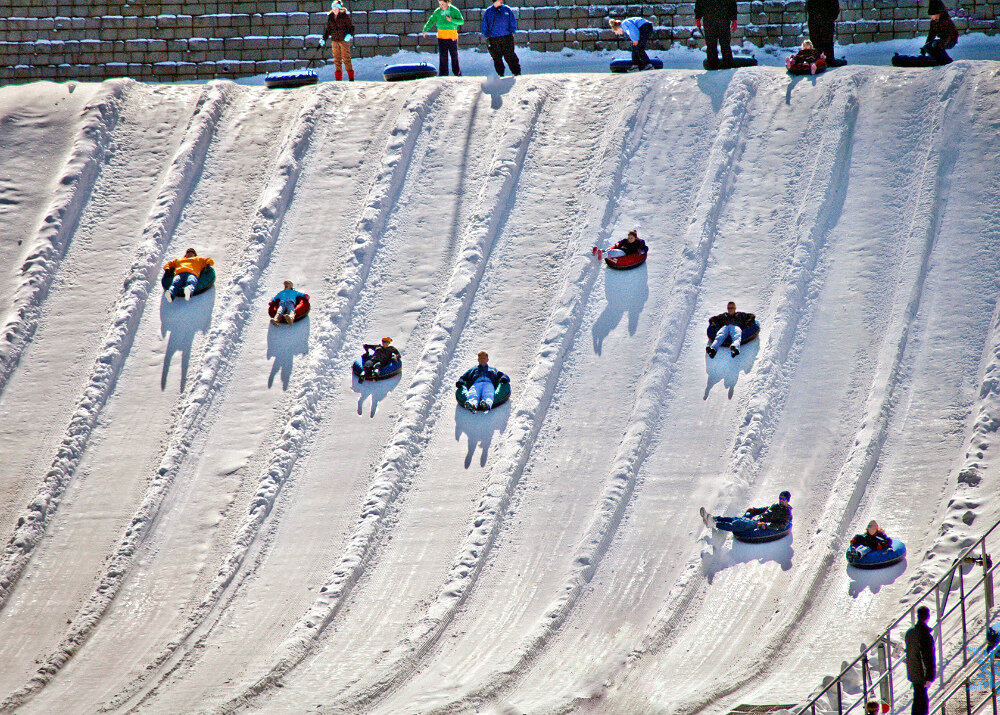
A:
x,y
341,55
501,49
920,703
735,523
446,48
182,281
731,331
639,57
482,391
822,31
718,36
285,306
936,50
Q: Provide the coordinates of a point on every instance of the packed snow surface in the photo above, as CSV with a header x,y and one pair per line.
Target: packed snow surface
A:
x,y
206,513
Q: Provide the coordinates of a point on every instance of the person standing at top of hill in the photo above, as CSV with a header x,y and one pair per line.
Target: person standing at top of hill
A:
x,y
498,27
639,31
339,31
446,19
717,21
823,16
942,35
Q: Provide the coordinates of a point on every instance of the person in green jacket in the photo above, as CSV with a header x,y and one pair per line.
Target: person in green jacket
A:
x,y
447,19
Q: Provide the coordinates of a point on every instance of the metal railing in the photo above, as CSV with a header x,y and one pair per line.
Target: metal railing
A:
x,y
967,674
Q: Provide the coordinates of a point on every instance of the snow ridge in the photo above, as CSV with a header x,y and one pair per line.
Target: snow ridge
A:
x,y
604,186
224,336
100,118
144,272
493,204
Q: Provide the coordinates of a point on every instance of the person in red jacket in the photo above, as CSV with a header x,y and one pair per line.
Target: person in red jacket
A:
x,y
339,30
943,35
186,271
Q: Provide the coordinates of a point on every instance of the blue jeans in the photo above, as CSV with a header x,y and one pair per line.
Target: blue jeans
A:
x,y
732,331
182,281
285,306
482,391
735,523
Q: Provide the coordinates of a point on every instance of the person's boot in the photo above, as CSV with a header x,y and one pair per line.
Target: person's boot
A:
x,y
289,318
710,350
188,292
734,350
169,295
338,75
350,75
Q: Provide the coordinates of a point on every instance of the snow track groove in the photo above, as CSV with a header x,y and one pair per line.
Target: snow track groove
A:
x,y
603,186
404,446
75,185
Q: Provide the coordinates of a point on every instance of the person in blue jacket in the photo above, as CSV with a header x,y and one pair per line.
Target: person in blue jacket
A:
x,y
482,381
639,31
498,27
286,304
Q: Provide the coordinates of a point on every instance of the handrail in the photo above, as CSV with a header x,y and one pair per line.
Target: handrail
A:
x,y
943,628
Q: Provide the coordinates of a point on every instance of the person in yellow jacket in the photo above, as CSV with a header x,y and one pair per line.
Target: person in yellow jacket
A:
x,y
186,271
447,19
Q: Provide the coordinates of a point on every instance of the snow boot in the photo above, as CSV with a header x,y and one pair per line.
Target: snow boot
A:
x,y
710,350
188,292
471,406
705,517
274,322
483,407
169,295
338,75
289,318
734,350
350,75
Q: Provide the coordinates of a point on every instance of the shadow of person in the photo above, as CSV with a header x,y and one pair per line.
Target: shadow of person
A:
x,y
727,369
794,80
496,87
714,83
873,579
182,320
284,342
720,558
376,389
480,428
625,292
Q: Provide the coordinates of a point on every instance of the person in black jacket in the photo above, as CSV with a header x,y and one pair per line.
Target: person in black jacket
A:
x,y
380,355
717,21
728,325
942,35
823,16
630,244
482,382
777,516
920,666
874,538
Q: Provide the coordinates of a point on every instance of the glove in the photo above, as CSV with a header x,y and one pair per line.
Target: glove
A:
x,y
347,38
505,379
734,25
458,383
697,23
322,41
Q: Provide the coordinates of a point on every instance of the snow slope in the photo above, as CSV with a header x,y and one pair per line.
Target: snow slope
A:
x,y
206,514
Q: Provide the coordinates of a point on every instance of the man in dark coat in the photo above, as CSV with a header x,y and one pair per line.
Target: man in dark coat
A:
x,y
498,27
777,516
920,666
717,21
823,16
729,325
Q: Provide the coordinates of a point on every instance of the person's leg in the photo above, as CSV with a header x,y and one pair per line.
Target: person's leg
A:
x,y
737,335
346,56
639,53
177,284
190,282
338,59
920,703
711,44
475,395
937,53
510,56
453,49
726,44
442,58
487,394
726,331
496,52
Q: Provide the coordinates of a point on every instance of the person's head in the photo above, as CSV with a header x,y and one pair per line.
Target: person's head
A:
x,y
190,252
633,235
336,8
288,285
807,44
873,527
616,25
483,357
386,342
923,613
785,497
871,707
497,3
444,4
936,8
731,307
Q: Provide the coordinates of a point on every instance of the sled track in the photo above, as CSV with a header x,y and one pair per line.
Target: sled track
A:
x,y
222,339
530,411
53,236
391,478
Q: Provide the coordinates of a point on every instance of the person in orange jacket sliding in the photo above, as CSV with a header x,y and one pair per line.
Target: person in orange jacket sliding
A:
x,y
186,271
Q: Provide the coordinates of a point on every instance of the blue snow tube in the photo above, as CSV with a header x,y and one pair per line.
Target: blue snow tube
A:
x,y
410,70
206,279
625,64
384,372
748,333
290,79
862,557
760,536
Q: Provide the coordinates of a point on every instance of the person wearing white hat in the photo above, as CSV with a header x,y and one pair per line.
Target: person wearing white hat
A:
x,y
339,31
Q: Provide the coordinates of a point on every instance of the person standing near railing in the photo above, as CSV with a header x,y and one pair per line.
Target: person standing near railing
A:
x,y
920,666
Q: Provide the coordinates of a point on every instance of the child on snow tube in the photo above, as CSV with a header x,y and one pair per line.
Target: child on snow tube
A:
x,y
480,385
187,271
808,60
285,304
874,538
376,357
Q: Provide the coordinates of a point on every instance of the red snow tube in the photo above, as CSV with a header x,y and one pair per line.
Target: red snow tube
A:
x,y
301,308
628,261
805,67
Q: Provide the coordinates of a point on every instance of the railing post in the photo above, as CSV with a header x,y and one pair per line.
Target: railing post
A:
x,y
961,605
968,698
865,674
993,680
840,698
885,663
939,639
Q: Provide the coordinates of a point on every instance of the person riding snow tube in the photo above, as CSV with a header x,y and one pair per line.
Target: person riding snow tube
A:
x,y
874,549
187,276
288,306
806,61
630,252
379,362
731,330
758,524
483,387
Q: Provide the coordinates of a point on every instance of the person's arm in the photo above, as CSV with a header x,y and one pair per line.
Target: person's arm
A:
x,y
350,26
456,17
431,20
513,21
502,377
170,265
328,30
927,654
465,379
209,262
483,27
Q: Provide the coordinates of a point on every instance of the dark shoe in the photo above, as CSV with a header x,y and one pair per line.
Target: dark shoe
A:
x,y
361,378
734,350
483,407
711,351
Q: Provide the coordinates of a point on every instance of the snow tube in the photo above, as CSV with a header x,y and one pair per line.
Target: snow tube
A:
x,y
761,536
625,64
805,67
301,308
738,61
206,279
899,60
862,557
627,262
501,395
382,373
290,79
412,70
749,333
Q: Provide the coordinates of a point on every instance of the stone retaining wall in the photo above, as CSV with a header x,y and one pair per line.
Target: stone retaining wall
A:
x,y
196,40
